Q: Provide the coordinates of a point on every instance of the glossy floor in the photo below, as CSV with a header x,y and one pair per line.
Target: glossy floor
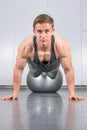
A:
x,y
37,111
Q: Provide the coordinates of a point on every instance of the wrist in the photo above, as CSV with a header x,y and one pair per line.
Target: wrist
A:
x,y
15,93
71,92
16,88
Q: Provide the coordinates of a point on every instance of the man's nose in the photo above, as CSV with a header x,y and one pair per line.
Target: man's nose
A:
x,y
43,34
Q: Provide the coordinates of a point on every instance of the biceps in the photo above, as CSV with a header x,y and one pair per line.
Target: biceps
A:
x,y
20,63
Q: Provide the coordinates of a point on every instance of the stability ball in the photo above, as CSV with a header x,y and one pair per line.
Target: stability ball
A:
x,y
43,83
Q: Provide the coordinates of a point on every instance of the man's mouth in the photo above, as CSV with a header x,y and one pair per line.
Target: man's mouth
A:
x,y
43,40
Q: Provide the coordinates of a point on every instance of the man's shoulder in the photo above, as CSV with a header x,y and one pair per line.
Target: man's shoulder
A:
x,y
26,45
61,42
26,42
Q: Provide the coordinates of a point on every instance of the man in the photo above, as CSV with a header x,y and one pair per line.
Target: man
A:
x,y
43,31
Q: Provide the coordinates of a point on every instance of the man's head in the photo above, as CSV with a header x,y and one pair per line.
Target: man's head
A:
x,y
43,18
43,28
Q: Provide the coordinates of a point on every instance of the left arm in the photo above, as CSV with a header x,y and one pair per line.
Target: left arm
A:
x,y
69,74
64,54
70,77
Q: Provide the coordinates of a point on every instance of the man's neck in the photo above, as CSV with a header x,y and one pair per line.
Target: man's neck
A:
x,y
44,47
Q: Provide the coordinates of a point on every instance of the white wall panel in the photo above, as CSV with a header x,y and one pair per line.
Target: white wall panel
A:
x,y
67,24
16,19
83,15
84,58
7,20
84,40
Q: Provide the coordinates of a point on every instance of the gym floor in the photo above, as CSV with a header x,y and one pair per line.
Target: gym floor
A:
x,y
43,111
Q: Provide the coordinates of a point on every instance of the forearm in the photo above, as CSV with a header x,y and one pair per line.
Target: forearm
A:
x,y
70,80
16,88
16,80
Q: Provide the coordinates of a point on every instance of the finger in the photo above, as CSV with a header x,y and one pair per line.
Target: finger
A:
x,y
72,98
15,98
77,98
81,98
4,98
7,98
11,97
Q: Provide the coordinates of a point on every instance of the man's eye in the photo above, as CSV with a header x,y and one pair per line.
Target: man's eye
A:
x,y
47,31
39,31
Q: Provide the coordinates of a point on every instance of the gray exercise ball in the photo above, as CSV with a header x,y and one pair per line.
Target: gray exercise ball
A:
x,y
44,84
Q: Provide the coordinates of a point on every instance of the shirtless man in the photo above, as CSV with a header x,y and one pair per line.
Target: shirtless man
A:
x,y
43,30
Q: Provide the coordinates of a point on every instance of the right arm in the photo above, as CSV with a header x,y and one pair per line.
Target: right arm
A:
x,y
24,52
17,74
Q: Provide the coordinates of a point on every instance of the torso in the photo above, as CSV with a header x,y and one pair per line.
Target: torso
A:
x,y
44,60
26,53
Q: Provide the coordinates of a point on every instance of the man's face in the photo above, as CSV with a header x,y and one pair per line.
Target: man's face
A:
x,y
43,32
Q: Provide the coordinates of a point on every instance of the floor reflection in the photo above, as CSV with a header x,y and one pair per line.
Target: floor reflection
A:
x,y
70,116
44,111
17,123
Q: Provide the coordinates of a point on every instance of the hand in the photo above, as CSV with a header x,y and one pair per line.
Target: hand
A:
x,y
9,97
76,98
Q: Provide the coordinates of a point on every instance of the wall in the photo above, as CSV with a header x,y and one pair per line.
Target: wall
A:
x,y
84,40
16,17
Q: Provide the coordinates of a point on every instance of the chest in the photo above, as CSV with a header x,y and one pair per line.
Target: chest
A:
x,y
44,56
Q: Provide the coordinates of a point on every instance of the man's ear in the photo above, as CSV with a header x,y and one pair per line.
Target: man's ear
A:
x,y
53,29
33,30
